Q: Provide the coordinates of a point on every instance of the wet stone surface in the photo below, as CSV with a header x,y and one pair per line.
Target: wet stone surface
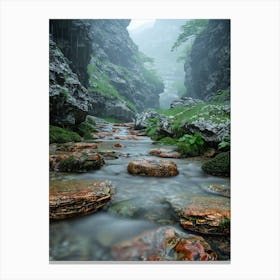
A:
x,y
77,198
164,244
75,147
153,167
209,215
218,189
75,161
165,153
141,220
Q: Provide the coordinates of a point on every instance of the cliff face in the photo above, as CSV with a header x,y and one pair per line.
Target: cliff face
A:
x,y
110,78
117,65
208,68
69,100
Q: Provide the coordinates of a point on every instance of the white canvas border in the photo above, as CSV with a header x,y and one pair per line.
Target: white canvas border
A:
x,y
255,138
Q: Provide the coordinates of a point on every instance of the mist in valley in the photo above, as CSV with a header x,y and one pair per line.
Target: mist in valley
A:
x,y
155,39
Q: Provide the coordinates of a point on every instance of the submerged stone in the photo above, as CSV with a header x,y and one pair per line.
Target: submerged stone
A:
x,y
164,244
222,190
153,167
158,211
77,198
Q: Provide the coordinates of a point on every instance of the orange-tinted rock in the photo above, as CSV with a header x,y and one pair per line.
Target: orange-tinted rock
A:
x,y
206,215
153,167
77,198
118,145
164,153
164,244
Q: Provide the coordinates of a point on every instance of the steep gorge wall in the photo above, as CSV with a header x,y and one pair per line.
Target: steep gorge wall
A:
x,y
207,70
104,65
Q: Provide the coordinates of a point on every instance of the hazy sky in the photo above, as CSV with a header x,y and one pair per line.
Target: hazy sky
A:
x,y
137,22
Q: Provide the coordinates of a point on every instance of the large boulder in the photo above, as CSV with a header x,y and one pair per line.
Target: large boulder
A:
x,y
212,122
153,167
77,198
210,131
164,244
142,120
111,107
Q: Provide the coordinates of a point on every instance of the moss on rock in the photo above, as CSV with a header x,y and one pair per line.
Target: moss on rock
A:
x,y
62,135
80,164
218,166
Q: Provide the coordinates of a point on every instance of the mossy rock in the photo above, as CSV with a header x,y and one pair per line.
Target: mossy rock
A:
x,y
218,166
85,129
62,135
73,164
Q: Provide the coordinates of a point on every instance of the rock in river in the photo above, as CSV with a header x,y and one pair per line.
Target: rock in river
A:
x,y
75,162
202,213
209,215
153,167
77,198
164,244
218,189
76,147
164,153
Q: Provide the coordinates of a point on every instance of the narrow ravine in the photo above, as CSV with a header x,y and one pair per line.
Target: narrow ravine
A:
x,y
139,203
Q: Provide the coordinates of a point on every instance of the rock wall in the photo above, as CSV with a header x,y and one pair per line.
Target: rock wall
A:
x,y
69,100
98,67
208,69
117,60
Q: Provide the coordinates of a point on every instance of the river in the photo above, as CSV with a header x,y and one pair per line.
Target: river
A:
x,y
139,203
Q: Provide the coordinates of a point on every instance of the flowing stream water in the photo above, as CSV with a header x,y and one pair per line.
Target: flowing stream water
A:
x,y
139,203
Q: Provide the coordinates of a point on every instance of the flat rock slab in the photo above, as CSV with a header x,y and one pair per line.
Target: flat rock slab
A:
x,y
210,215
77,198
153,167
165,153
164,244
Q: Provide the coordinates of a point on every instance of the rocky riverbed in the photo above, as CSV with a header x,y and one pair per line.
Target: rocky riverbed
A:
x,y
166,210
